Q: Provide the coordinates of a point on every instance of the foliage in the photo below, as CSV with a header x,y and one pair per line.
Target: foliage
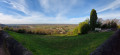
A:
x,y
110,24
83,28
104,26
118,27
93,19
98,24
21,31
6,28
11,29
61,45
113,24
75,31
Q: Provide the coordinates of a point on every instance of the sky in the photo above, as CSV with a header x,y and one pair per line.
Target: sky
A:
x,y
56,11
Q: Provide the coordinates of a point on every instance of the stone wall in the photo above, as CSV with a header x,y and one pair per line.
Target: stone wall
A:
x,y
109,47
14,47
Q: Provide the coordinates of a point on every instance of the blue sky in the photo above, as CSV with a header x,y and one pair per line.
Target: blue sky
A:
x,y
55,11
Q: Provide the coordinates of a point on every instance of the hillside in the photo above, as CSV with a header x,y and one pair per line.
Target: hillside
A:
x,y
61,45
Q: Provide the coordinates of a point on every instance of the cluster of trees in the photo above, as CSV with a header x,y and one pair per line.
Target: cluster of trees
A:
x,y
87,25
94,22
110,24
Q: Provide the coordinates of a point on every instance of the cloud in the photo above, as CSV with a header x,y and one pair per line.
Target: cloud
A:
x,y
115,4
57,6
36,18
19,5
111,15
33,19
9,19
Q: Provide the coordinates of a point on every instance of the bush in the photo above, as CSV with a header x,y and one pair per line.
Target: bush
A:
x,y
110,24
11,29
104,26
75,31
85,28
113,24
98,24
118,27
29,32
6,28
21,31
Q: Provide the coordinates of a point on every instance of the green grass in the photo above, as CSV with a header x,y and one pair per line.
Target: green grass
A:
x,y
61,45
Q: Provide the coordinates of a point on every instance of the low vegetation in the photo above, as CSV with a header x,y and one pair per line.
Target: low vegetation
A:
x,y
61,45
83,28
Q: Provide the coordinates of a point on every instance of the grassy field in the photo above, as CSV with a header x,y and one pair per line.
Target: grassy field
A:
x,y
61,45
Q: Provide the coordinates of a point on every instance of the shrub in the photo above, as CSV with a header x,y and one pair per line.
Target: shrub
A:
x,y
110,24
6,28
11,29
98,24
75,31
118,27
21,31
104,26
29,32
85,28
113,24
70,33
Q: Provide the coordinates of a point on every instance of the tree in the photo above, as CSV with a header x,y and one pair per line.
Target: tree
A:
x,y
110,24
113,24
93,19
98,24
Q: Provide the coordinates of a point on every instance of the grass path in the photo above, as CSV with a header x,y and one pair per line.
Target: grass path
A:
x,y
61,45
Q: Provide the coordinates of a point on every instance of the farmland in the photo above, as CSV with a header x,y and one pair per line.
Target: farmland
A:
x,y
46,28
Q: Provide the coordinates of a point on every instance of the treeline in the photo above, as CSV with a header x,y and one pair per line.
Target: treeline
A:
x,y
110,24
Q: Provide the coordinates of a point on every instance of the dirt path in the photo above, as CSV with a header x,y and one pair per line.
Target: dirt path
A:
x,y
110,47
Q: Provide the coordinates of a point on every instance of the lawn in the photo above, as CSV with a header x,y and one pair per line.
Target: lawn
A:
x,y
61,45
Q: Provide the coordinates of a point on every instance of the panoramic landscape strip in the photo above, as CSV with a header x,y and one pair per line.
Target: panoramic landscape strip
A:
x,y
59,27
